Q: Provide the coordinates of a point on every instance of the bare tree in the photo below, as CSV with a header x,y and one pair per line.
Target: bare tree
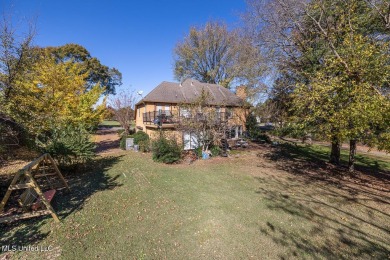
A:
x,y
15,56
9,136
123,108
287,30
204,121
214,54
15,59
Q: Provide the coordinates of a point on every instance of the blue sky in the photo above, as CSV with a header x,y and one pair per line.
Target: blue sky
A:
x,y
136,37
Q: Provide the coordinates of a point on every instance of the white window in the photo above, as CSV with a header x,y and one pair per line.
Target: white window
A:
x,y
161,107
229,113
190,141
185,112
239,131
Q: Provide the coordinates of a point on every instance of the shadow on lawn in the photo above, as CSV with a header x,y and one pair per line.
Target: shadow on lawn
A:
x,y
339,216
107,145
313,163
83,185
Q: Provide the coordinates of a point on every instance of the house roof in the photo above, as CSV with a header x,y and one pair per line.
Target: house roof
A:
x,y
188,91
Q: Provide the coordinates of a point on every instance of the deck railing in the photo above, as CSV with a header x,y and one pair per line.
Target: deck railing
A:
x,y
162,117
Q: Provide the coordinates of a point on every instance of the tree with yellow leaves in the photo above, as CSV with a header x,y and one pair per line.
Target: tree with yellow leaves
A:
x,y
53,94
54,107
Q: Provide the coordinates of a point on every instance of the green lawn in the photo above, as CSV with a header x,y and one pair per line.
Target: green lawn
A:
x,y
366,160
246,206
110,123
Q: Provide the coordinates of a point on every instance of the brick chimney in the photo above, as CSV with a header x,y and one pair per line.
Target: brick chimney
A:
x,y
241,91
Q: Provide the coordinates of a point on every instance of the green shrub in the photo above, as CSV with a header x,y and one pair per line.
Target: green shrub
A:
x,y
251,124
165,150
131,131
120,132
216,150
69,145
4,133
122,142
261,137
140,136
253,130
290,130
198,151
144,146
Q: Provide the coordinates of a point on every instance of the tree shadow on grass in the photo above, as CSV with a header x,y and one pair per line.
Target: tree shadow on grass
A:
x,y
333,214
105,146
83,185
112,142
313,164
323,224
93,179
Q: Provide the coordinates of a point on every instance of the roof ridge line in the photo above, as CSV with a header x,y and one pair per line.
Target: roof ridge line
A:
x,y
182,92
211,91
219,89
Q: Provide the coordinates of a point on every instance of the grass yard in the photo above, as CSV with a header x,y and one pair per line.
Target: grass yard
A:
x,y
278,203
110,123
374,162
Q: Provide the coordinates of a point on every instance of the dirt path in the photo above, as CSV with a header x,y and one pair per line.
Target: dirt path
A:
x,y
107,141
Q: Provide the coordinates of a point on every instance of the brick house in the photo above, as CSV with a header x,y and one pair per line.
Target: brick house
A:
x,y
163,109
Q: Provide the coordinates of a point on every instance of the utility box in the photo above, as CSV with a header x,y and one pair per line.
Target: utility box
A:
x,y
129,143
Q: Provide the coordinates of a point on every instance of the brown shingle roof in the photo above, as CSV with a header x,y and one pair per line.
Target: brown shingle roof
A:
x,y
188,91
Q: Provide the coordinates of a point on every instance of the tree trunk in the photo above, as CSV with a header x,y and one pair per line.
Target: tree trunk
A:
x,y
352,153
126,130
335,152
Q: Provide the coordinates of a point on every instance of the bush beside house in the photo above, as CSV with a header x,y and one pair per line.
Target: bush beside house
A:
x,y
140,138
166,150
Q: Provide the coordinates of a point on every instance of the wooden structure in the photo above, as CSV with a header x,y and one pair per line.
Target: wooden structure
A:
x,y
33,179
